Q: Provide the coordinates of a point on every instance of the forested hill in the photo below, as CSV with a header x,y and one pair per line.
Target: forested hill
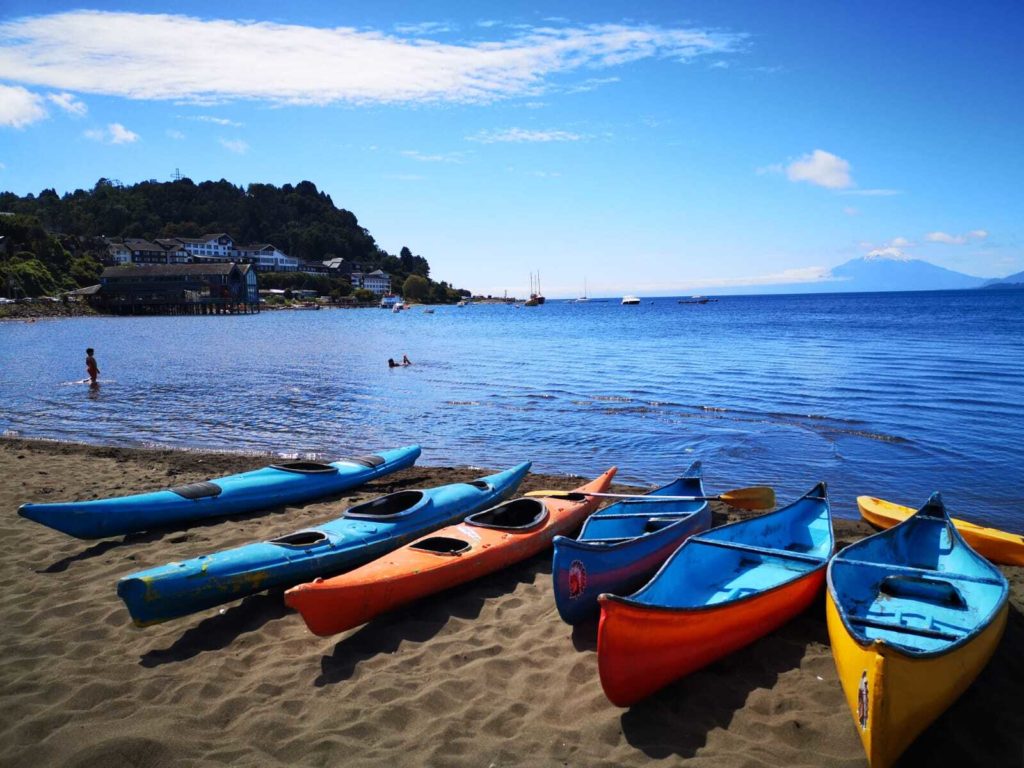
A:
x,y
299,219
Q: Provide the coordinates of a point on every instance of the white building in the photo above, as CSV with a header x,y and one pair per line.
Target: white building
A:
x,y
377,281
213,247
266,257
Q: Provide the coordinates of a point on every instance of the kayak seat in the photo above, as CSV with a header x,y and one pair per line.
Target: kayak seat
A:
x,y
197,490
386,506
370,460
929,590
442,545
301,539
482,485
516,515
305,467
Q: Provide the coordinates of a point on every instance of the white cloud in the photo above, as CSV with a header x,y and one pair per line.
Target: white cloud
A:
x,y
215,120
943,237
114,133
900,242
238,146
19,107
424,28
523,135
139,56
447,157
888,253
68,103
822,169
173,134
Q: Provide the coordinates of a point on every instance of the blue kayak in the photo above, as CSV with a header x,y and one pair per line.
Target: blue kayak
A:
x,y
623,544
293,482
363,533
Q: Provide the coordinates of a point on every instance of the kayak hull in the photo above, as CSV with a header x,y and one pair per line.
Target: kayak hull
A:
x,y
263,488
719,592
998,546
178,589
621,546
913,615
447,558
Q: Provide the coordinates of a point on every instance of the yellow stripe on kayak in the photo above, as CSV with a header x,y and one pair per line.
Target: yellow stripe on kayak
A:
x,y
998,546
893,697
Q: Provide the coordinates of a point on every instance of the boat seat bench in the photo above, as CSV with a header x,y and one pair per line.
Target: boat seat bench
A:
x,y
902,628
924,571
783,554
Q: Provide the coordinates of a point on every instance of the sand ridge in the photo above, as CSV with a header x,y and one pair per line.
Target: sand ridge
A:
x,y
485,674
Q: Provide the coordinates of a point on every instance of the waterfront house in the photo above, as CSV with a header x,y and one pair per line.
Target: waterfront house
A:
x,y
214,288
377,281
266,257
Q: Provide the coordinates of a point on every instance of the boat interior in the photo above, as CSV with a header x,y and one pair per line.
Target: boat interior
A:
x,y
200,490
305,467
392,505
745,558
631,518
300,539
916,586
442,545
515,515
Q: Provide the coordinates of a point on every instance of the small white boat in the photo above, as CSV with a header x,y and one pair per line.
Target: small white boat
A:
x,y
630,299
398,307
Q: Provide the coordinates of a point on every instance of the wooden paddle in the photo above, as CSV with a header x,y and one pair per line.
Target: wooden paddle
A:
x,y
756,497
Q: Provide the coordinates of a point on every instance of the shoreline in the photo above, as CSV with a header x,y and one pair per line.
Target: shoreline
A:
x,y
482,674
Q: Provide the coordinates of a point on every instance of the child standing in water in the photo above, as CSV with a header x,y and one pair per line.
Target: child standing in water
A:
x,y
91,367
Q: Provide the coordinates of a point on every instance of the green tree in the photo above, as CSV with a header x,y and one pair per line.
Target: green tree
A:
x,y
416,288
364,295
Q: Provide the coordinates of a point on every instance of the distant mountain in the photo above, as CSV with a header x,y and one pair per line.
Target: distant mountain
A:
x,y
1010,281
887,274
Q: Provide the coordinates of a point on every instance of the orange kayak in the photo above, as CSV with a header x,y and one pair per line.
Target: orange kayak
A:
x,y
998,546
483,543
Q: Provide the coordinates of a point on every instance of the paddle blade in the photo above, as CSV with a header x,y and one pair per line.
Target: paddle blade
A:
x,y
756,497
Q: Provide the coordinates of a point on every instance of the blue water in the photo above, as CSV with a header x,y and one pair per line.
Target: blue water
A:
x,y
894,395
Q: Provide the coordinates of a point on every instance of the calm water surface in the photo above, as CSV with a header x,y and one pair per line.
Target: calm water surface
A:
x,y
895,395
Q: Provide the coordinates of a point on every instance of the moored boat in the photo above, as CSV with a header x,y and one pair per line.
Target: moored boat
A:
x,y
291,482
362,533
913,615
483,543
623,544
998,546
630,299
720,591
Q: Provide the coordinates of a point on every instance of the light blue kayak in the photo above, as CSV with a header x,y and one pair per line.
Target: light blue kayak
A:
x,y
622,545
293,482
363,533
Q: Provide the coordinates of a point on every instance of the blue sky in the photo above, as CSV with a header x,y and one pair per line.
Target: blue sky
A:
x,y
653,148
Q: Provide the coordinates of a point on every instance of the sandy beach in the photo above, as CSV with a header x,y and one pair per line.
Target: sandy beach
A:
x,y
483,675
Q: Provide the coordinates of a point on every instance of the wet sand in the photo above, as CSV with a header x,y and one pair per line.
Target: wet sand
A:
x,y
485,674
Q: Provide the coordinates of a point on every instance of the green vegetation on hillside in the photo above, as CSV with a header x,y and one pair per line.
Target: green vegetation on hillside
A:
x,y
300,220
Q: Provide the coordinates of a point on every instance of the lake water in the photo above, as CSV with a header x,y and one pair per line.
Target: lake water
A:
x,y
894,395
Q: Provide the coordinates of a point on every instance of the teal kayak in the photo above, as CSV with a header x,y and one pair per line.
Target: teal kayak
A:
x,y
363,533
287,483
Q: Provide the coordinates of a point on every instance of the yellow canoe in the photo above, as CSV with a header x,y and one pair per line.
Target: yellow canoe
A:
x,y
913,616
998,546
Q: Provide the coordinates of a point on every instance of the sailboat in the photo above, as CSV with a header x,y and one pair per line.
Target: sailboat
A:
x,y
536,298
583,298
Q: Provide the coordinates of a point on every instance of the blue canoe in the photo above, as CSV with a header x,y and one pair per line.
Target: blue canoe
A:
x,y
913,615
719,592
286,483
363,533
623,544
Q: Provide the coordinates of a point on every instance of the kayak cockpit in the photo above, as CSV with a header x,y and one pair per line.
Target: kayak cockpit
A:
x,y
305,467
301,539
392,505
516,515
442,545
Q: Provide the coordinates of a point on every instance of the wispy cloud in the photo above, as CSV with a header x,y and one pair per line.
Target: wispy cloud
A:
x,y
441,157
20,107
238,146
424,28
889,253
173,134
114,133
592,84
213,119
849,210
68,103
524,135
821,168
135,56
943,237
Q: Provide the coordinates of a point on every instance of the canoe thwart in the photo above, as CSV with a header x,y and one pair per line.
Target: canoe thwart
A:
x,y
201,490
895,626
784,554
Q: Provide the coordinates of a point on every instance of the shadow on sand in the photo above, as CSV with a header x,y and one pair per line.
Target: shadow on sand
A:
x,y
677,719
218,632
423,619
